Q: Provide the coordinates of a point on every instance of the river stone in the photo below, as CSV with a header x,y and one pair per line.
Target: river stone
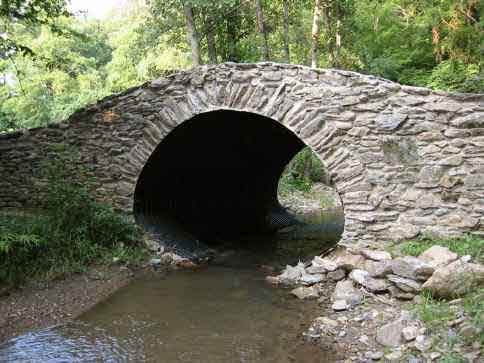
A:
x,y
291,275
348,261
412,268
399,294
303,293
345,290
378,268
390,335
407,285
337,275
455,280
316,270
311,279
376,285
423,343
340,305
410,333
438,256
363,278
324,263
376,255
358,276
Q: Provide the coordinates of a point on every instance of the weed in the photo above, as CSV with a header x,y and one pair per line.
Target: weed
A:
x,y
467,245
72,231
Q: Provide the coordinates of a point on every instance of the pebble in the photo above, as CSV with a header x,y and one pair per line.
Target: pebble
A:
x,y
340,305
422,343
409,333
374,355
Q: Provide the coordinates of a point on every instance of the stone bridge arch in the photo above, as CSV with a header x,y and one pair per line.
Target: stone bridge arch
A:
x,y
404,160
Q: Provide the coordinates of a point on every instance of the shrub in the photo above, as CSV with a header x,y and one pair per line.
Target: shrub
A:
x,y
72,231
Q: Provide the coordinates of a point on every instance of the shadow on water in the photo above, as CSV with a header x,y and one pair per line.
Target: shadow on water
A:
x,y
225,312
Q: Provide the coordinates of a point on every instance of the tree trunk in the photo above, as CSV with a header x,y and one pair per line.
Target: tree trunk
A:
x,y
337,51
315,34
212,50
308,165
231,21
192,35
287,55
262,30
327,15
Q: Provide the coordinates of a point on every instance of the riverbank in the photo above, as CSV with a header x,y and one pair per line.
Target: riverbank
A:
x,y
394,307
46,303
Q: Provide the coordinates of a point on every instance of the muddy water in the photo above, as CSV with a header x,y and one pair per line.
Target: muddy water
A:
x,y
224,312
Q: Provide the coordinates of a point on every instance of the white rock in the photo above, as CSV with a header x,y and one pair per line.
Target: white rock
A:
x,y
291,275
374,355
410,333
358,276
345,290
340,305
438,256
311,279
155,262
303,293
422,343
363,278
466,258
394,356
325,263
376,255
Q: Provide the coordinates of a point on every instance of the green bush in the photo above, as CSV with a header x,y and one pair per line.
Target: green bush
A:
x,y
72,231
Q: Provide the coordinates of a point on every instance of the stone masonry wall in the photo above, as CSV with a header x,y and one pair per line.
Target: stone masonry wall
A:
x,y
405,160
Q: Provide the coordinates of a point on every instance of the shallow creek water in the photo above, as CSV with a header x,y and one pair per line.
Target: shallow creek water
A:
x,y
224,312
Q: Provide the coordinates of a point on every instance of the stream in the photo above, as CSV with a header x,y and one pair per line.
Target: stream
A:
x,y
223,312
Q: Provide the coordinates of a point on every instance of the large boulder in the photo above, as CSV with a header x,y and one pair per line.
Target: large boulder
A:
x,y
455,279
438,256
412,268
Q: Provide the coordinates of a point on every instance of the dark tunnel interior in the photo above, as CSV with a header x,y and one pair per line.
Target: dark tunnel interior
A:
x,y
216,175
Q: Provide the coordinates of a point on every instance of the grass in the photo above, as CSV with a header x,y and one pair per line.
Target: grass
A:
x,y
437,313
467,245
31,248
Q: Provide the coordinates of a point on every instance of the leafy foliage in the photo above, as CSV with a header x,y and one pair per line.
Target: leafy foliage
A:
x,y
424,43
73,230
300,174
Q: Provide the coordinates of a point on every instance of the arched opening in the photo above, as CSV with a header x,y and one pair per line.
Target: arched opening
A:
x,y
215,177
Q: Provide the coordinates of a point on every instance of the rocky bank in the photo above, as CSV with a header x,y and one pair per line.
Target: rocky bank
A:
x,y
370,302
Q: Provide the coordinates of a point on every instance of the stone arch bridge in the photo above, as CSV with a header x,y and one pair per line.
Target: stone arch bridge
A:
x,y
209,145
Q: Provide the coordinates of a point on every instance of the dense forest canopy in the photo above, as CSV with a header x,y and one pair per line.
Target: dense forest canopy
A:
x,y
53,62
